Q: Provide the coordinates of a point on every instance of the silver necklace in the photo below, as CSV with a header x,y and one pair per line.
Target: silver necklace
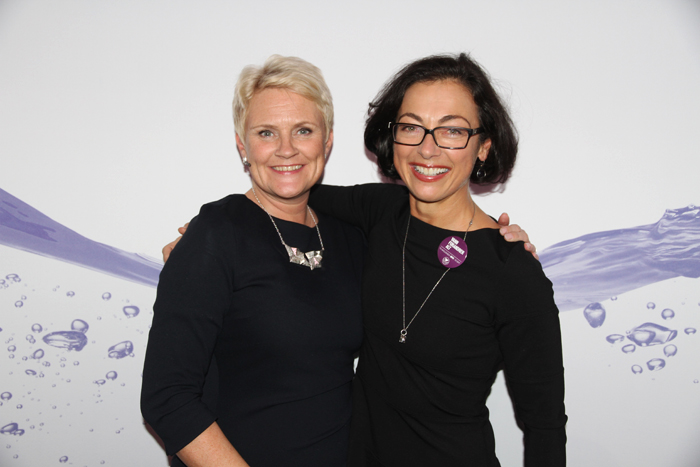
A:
x,y
312,259
404,330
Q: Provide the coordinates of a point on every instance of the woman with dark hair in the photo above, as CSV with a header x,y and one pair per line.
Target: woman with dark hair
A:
x,y
447,302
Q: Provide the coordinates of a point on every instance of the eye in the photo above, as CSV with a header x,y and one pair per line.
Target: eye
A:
x,y
409,129
265,133
305,131
453,132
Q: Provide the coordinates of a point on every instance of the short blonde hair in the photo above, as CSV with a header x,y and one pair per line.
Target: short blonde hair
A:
x,y
292,73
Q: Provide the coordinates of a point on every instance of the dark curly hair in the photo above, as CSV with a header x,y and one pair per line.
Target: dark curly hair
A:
x,y
493,115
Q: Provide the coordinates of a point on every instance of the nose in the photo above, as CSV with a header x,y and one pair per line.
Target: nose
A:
x,y
428,148
286,148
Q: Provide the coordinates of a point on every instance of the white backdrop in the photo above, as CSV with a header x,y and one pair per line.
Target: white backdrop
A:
x,y
115,122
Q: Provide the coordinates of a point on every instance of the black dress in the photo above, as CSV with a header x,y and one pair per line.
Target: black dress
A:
x,y
422,403
274,341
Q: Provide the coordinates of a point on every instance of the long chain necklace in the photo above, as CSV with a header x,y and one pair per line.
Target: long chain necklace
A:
x,y
312,259
404,330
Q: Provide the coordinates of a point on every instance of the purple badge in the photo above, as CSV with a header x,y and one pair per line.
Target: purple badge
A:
x,y
452,252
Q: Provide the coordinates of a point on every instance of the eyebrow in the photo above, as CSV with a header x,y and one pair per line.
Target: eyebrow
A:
x,y
444,119
275,127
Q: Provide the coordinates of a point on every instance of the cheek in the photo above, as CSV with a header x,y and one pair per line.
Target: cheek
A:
x,y
400,154
256,152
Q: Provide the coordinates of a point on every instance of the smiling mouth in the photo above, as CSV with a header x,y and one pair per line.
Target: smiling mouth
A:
x,y
287,168
430,171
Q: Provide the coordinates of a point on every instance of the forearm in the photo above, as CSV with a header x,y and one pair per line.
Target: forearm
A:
x,y
211,449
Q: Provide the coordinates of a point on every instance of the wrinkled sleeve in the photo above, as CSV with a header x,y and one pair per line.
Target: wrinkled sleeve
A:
x,y
530,340
194,293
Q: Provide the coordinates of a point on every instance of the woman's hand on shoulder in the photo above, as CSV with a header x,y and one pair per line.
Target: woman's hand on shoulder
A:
x,y
167,249
513,233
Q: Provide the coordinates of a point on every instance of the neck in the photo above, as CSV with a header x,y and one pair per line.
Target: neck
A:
x,y
292,210
445,214
450,214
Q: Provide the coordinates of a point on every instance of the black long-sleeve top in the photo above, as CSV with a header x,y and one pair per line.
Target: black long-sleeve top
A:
x,y
423,402
264,347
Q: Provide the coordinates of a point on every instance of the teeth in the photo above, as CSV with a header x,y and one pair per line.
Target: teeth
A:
x,y
430,171
287,168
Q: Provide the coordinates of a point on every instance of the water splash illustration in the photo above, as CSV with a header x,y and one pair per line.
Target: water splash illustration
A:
x,y
615,338
121,350
71,340
584,270
594,314
597,266
656,364
649,334
25,228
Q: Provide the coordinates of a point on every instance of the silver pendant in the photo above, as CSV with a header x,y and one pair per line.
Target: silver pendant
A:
x,y
402,339
311,259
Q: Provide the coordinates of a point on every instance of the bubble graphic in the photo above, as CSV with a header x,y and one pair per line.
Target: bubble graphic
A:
x,y
121,350
690,331
99,382
670,350
13,278
71,340
106,296
30,339
595,314
6,396
19,304
45,363
63,459
11,348
30,372
636,369
629,348
648,334
39,353
651,305
79,325
615,338
36,327
668,313
76,363
131,311
19,406
655,364
613,298
11,429
112,375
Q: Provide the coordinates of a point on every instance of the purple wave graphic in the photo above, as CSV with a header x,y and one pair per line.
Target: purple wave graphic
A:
x,y
587,269
597,266
25,228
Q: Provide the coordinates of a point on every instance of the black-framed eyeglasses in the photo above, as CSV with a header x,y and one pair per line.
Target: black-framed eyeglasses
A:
x,y
446,137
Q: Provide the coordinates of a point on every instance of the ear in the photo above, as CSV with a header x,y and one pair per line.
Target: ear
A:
x,y
329,144
484,150
241,147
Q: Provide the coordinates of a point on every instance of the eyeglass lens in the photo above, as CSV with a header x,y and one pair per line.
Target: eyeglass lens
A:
x,y
445,136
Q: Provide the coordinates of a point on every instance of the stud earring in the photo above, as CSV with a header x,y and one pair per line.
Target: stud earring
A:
x,y
246,164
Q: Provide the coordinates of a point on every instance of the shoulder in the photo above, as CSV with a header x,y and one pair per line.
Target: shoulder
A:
x,y
215,226
221,210
523,286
